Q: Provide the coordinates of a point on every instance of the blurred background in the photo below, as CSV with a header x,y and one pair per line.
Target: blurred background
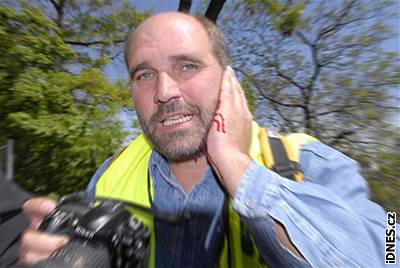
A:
x,y
327,68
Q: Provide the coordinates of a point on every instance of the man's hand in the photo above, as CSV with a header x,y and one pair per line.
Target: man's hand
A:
x,y
229,136
37,245
228,143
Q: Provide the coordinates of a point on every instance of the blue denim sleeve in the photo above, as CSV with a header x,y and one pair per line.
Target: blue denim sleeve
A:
x,y
91,188
328,217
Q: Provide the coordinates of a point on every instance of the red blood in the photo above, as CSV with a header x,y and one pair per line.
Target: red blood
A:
x,y
222,122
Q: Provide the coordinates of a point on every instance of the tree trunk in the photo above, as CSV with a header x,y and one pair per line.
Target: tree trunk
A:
x,y
184,6
214,8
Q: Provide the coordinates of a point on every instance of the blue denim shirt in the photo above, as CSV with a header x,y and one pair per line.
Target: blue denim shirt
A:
x,y
183,244
328,217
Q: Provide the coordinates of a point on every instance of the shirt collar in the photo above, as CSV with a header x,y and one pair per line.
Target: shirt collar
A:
x,y
159,168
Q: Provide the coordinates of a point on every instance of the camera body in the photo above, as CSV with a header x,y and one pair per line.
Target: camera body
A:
x,y
103,234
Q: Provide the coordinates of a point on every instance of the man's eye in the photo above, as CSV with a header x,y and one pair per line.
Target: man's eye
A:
x,y
143,76
188,67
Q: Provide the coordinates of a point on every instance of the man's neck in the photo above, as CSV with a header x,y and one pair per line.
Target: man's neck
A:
x,y
189,172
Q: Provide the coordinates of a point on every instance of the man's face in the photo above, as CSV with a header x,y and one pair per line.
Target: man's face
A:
x,y
175,84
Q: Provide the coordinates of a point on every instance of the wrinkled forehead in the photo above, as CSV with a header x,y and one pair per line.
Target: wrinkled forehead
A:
x,y
168,33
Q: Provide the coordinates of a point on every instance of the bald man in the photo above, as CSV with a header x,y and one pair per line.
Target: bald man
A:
x,y
194,154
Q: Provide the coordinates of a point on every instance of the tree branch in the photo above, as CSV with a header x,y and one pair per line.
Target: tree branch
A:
x,y
369,142
59,7
91,43
287,121
304,39
328,112
258,87
340,136
289,79
338,24
184,6
316,63
214,8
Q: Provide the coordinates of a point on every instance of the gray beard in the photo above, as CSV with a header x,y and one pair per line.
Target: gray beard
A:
x,y
171,146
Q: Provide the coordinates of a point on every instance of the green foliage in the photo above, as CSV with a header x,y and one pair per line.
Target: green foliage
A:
x,y
64,125
247,85
97,29
28,47
384,179
286,15
320,67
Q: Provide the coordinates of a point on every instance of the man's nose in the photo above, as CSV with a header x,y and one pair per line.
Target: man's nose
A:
x,y
167,88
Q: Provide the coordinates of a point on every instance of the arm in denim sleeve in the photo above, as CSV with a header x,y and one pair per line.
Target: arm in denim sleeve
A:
x,y
91,188
328,217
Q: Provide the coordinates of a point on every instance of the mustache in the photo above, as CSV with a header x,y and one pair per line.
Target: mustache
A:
x,y
174,106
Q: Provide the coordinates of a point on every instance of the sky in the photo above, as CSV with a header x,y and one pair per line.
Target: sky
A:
x,y
157,6
115,71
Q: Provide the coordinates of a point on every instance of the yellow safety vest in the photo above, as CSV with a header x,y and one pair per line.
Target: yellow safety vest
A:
x,y
126,179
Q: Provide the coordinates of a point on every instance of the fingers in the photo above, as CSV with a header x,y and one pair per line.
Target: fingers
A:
x,y
231,90
240,97
226,86
36,246
38,208
236,90
229,135
230,100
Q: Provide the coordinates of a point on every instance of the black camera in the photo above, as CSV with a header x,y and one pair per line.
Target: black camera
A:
x,y
103,234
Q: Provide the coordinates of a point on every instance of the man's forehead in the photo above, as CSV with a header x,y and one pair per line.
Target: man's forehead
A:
x,y
172,20
167,35
171,48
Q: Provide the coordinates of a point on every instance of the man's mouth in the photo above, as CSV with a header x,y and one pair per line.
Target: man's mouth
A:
x,y
177,119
